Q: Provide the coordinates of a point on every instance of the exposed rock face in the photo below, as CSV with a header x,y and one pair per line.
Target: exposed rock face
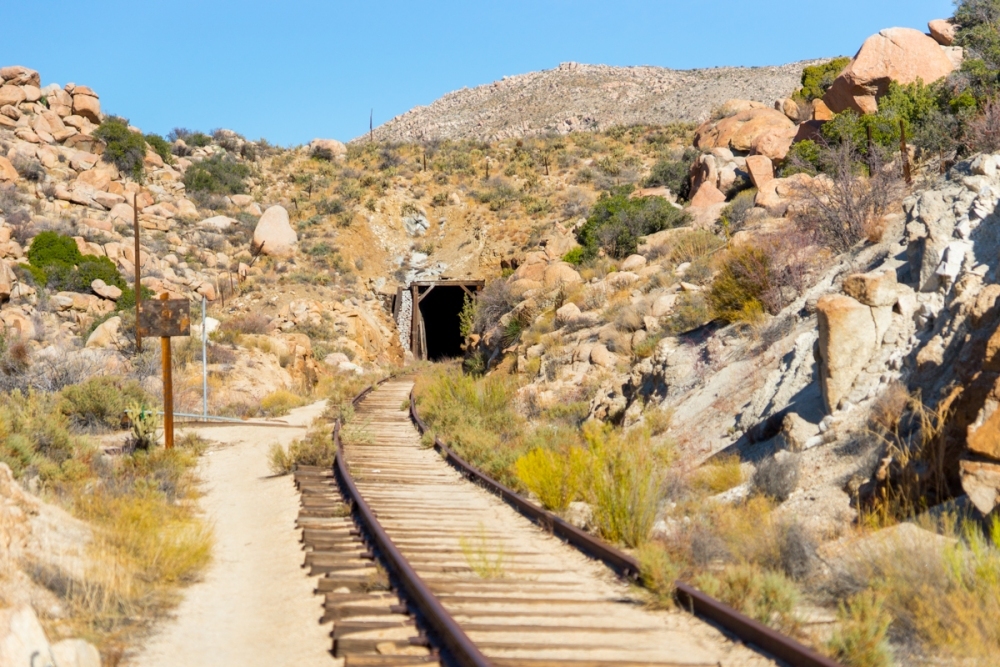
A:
x,y
87,105
743,130
878,288
106,334
17,75
847,341
902,55
761,170
274,232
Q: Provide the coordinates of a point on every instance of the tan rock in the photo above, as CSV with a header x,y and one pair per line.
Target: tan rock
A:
x,y
847,341
560,273
775,143
761,170
274,233
106,334
790,108
7,171
902,55
17,323
10,111
31,93
186,208
87,106
633,263
96,178
943,31
877,288
735,106
981,481
105,291
707,195
76,653
327,149
12,95
98,225
567,314
26,134
601,356
7,280
207,290
664,305
241,200
19,75
82,161
740,131
22,639
123,213
821,112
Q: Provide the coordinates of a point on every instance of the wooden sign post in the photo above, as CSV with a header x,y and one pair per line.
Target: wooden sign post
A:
x,y
165,318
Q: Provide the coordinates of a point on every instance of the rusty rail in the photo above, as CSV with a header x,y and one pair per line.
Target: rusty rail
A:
x,y
446,630
747,629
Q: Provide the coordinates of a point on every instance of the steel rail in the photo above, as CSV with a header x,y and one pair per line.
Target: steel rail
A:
x,y
447,631
747,629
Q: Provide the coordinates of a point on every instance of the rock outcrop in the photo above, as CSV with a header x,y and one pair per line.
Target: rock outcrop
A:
x,y
902,55
274,233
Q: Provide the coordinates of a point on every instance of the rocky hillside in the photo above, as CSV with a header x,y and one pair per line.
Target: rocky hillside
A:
x,y
575,97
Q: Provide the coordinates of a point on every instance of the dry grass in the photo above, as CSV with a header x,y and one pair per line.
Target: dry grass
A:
x,y
860,639
719,475
484,556
281,402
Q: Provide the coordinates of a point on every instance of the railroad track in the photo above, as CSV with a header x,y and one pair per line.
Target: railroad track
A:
x,y
420,566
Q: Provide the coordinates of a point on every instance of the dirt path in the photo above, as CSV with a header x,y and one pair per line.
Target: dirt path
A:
x,y
255,605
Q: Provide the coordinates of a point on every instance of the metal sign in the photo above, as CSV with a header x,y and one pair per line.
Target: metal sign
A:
x,y
164,318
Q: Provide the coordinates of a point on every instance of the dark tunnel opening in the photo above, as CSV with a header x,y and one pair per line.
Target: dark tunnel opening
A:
x,y
440,311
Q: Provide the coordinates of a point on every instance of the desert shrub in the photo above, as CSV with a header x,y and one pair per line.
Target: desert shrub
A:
x,y
817,79
493,302
498,194
849,206
984,129
734,215
657,419
316,449
29,169
99,403
803,158
219,174
623,486
476,417
574,256
555,477
659,573
777,477
691,311
797,551
35,437
719,475
763,595
617,221
160,147
124,148
738,290
673,173
860,639
279,403
978,34
50,247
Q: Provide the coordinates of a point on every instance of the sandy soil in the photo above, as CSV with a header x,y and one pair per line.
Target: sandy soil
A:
x,y
255,605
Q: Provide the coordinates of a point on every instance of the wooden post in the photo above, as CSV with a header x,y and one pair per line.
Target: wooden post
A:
x,y
138,282
904,151
168,389
414,318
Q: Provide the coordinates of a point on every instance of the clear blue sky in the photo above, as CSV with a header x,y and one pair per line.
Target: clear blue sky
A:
x,y
298,69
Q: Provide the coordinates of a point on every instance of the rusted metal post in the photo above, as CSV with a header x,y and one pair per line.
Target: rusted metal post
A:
x,y
138,282
905,152
168,389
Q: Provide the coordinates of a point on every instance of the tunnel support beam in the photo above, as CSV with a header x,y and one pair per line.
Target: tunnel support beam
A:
x,y
419,290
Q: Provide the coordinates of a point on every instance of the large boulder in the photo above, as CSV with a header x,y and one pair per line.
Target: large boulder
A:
x,y
902,55
847,340
11,95
86,105
327,149
22,639
559,273
943,31
20,76
106,334
274,233
741,131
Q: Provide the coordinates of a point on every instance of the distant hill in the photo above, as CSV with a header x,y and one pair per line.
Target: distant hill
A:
x,y
587,97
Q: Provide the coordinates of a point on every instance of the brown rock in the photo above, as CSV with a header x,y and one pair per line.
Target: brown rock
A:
x,y
741,130
761,170
902,55
877,288
790,108
20,76
847,341
105,291
31,93
7,171
735,106
601,356
96,178
943,31
707,196
12,95
821,111
981,481
87,106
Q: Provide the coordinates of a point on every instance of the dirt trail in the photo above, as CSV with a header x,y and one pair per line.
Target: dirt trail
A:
x,y
255,605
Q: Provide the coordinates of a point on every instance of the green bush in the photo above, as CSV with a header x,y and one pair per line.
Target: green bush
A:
x,y
99,402
197,139
617,221
673,174
816,80
161,147
127,300
50,247
738,289
803,158
735,214
35,437
978,34
218,174
125,149
574,256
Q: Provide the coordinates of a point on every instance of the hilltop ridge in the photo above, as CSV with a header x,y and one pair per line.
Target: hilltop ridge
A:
x,y
575,96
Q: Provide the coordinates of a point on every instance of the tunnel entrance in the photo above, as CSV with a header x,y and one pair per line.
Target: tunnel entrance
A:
x,y
431,309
